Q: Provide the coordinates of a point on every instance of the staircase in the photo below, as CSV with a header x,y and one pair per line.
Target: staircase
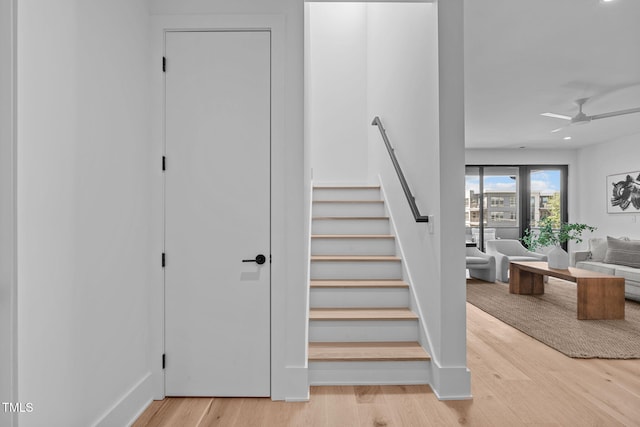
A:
x,y
361,327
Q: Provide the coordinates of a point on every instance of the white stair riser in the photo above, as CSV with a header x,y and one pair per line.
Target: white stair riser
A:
x,y
346,194
363,330
358,297
353,246
358,372
323,270
365,373
350,226
348,209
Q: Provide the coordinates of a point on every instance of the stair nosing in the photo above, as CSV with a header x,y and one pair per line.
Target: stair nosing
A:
x,y
355,258
339,351
352,314
346,187
351,217
353,236
357,283
348,201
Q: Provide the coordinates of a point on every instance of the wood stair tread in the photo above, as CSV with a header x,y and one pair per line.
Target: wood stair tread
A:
x,y
349,201
346,187
358,284
352,236
366,351
400,313
348,258
358,218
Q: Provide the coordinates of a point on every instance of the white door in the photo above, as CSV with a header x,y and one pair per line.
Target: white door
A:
x,y
217,202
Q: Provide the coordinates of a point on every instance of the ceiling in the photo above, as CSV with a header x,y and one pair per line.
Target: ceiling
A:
x,y
524,58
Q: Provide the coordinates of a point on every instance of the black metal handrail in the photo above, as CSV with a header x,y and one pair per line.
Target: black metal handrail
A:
x,y
407,192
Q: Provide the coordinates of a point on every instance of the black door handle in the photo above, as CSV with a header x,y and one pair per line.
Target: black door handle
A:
x,y
260,259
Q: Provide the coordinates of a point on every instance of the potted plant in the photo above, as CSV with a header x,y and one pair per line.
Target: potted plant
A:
x,y
548,235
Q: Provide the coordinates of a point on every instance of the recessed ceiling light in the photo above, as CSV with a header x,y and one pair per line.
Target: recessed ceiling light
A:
x,y
566,138
606,1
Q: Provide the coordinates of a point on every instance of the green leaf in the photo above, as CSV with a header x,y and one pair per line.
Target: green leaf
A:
x,y
547,235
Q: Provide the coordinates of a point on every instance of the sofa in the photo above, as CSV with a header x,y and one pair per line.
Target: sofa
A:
x,y
614,256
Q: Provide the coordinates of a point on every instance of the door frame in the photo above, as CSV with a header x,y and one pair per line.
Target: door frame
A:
x,y
160,25
8,208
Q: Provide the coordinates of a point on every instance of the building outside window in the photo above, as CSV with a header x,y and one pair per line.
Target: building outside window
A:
x,y
497,216
497,201
507,200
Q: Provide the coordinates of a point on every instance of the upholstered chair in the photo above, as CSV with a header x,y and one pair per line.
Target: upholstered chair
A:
x,y
506,250
480,265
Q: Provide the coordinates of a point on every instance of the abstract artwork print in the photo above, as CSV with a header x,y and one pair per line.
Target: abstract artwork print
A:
x,y
623,193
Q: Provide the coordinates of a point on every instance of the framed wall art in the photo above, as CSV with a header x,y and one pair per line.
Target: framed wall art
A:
x,y
623,193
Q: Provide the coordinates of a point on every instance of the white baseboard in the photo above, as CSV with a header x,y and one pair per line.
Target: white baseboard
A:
x,y
451,383
299,399
130,406
298,390
452,397
294,388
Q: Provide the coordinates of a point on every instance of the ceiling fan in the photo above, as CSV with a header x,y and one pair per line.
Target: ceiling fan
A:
x,y
582,118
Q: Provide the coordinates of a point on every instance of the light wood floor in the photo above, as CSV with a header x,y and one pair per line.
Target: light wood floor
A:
x,y
516,381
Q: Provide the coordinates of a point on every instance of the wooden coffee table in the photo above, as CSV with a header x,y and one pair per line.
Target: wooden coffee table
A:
x,y
600,296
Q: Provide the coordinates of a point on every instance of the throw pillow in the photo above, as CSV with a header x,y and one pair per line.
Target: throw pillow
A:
x,y
623,252
598,248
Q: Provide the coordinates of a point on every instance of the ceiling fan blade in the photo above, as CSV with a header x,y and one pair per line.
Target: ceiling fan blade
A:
x,y
615,113
556,116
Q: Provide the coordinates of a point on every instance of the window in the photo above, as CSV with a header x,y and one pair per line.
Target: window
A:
x,y
497,201
512,198
502,216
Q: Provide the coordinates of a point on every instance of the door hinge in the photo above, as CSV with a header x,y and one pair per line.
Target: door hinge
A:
x,y
163,259
164,64
164,360
269,258
164,163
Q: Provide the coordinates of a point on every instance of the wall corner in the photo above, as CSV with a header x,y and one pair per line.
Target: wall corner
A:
x,y
292,384
450,383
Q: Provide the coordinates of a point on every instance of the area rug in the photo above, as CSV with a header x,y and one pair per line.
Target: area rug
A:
x,y
551,319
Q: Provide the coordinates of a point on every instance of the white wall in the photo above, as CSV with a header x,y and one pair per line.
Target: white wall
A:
x,y
415,87
337,91
83,237
595,163
288,245
519,157
403,92
453,379
7,208
229,7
